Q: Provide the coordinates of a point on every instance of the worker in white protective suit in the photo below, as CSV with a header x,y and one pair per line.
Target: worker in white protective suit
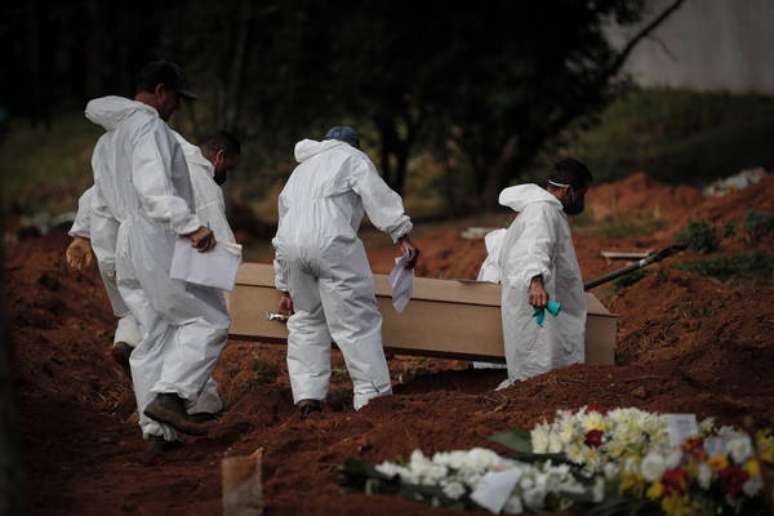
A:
x,y
537,263
209,165
322,270
143,187
79,258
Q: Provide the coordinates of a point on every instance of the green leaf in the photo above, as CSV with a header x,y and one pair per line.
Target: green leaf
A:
x,y
518,440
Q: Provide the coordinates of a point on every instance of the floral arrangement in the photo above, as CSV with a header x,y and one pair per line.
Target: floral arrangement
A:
x,y
604,462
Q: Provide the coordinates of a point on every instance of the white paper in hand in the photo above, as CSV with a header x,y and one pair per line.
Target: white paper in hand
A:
x,y
495,489
402,283
216,268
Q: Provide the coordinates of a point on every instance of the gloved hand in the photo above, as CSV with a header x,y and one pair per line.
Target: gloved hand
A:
x,y
539,314
285,304
78,254
407,247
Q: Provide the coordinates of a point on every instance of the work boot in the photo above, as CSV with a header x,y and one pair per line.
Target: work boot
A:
x,y
203,417
155,448
169,409
120,352
307,407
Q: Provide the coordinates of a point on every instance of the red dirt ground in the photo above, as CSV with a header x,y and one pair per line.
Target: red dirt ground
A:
x,y
685,344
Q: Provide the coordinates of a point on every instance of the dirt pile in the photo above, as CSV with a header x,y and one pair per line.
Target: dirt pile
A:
x,y
686,344
639,195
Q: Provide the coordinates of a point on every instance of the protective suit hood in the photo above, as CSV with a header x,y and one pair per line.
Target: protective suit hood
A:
x,y
306,149
518,197
110,111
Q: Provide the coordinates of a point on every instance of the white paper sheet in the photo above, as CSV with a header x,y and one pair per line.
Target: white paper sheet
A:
x,y
680,427
495,488
402,283
216,268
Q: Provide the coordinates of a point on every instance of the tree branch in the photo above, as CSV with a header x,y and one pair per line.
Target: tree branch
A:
x,y
642,34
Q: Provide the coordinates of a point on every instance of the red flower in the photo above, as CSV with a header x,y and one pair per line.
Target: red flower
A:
x,y
732,480
594,438
594,408
674,481
695,447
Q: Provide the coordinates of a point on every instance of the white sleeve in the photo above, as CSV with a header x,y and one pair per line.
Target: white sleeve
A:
x,y
280,270
383,206
104,232
82,225
532,254
152,179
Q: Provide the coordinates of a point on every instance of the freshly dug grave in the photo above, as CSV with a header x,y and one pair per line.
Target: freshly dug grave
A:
x,y
686,344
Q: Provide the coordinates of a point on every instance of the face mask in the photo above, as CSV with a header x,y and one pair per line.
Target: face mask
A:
x,y
576,205
220,177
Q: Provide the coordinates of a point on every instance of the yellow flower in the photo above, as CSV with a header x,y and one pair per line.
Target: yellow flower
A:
x,y
753,468
765,443
676,505
655,490
633,484
718,462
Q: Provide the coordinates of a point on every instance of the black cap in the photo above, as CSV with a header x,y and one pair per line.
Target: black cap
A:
x,y
167,73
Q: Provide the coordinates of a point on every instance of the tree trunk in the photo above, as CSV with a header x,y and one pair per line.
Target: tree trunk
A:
x,y
233,102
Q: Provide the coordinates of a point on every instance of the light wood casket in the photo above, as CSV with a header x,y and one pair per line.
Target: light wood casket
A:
x,y
445,318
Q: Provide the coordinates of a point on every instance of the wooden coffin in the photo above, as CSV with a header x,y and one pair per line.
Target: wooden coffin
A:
x,y
445,318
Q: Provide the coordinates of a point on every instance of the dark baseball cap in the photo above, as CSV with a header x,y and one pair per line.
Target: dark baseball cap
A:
x,y
343,133
167,73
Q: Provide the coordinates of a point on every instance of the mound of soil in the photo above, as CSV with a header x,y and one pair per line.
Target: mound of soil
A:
x,y
639,195
686,344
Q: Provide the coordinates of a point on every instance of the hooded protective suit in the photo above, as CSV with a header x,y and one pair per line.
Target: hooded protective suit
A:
x,y
143,188
210,204
322,263
539,242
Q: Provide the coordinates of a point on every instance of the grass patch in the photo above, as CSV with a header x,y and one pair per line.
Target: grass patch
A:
x,y
677,136
699,235
617,230
47,169
263,372
758,224
750,267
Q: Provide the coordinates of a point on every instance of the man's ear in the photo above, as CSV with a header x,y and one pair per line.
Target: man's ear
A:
x,y
160,89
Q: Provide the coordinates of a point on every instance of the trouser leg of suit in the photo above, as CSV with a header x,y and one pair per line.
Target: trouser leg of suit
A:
x,y
128,332
349,302
309,343
184,326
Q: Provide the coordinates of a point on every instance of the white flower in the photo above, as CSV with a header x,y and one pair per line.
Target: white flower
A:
x,y
704,476
653,467
554,443
706,426
598,491
539,437
513,505
740,448
673,459
611,470
752,487
454,490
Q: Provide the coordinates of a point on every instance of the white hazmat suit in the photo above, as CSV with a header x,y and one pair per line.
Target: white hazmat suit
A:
x,y
539,242
322,263
127,330
143,186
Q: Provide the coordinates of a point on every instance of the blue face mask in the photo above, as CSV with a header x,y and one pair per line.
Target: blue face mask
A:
x,y
576,205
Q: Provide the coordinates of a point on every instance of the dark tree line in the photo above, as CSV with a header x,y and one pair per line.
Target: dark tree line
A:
x,y
480,85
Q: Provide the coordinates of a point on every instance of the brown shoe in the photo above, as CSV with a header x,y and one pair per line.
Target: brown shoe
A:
x,y
169,409
307,407
120,352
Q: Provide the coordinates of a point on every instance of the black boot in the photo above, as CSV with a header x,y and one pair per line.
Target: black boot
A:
x,y
306,407
120,352
169,409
